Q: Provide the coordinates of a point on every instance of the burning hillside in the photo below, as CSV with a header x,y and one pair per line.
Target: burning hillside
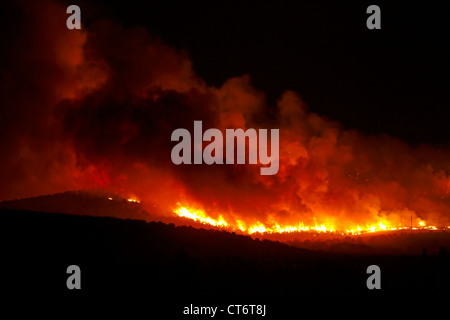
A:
x,y
406,240
261,228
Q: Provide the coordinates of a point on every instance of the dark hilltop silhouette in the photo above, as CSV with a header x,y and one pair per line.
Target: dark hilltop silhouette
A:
x,y
133,256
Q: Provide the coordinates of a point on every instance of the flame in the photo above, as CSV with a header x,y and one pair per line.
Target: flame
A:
x,y
200,215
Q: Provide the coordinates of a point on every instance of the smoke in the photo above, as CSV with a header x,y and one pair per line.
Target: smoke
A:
x,y
96,108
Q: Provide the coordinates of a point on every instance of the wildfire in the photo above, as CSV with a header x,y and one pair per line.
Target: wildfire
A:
x,y
201,216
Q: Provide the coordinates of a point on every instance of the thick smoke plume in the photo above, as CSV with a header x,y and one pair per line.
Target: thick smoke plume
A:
x,y
96,108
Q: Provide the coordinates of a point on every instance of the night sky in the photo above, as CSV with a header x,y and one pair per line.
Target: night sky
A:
x,y
393,80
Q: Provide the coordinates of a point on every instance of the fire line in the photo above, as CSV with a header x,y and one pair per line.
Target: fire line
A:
x,y
200,216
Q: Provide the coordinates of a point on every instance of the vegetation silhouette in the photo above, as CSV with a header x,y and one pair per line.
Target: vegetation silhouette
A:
x,y
126,257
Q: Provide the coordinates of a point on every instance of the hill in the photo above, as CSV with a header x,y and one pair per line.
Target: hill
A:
x,y
135,256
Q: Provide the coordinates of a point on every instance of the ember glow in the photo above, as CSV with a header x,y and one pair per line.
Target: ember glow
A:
x,y
133,200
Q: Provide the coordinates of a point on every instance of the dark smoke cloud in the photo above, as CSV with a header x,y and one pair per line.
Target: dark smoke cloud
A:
x,y
96,108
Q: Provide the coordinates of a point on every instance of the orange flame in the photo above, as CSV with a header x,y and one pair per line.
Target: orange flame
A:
x,y
133,200
199,215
